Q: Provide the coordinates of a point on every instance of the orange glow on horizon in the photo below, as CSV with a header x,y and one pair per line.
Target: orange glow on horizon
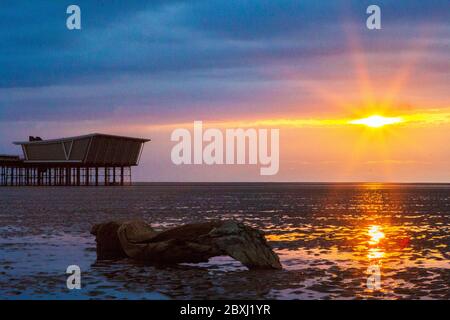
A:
x,y
419,118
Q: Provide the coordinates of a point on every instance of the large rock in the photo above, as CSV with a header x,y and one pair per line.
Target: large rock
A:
x,y
108,244
189,243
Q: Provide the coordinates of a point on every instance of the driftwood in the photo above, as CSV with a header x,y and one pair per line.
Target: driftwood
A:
x,y
189,243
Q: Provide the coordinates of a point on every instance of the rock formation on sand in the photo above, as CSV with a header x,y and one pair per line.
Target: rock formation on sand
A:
x,y
189,243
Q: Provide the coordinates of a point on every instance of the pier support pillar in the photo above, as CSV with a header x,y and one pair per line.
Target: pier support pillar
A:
x,y
67,176
88,173
78,177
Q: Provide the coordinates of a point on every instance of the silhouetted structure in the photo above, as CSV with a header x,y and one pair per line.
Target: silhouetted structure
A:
x,y
94,159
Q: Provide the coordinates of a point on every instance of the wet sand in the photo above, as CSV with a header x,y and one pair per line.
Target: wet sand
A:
x,y
326,235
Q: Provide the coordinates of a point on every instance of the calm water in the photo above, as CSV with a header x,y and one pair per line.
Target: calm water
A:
x,y
327,237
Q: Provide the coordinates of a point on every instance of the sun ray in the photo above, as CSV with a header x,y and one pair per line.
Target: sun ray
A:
x,y
360,67
401,77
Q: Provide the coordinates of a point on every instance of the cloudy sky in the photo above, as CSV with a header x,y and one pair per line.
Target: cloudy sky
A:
x,y
143,68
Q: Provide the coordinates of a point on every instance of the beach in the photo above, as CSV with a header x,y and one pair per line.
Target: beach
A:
x,y
327,236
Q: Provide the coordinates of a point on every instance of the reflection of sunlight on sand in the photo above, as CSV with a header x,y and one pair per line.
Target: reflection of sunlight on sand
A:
x,y
375,234
376,245
379,244
375,253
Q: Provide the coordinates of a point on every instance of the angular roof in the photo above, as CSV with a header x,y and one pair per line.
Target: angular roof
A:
x,y
79,137
94,149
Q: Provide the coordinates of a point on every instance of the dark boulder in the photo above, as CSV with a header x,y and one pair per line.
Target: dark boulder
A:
x,y
189,243
108,244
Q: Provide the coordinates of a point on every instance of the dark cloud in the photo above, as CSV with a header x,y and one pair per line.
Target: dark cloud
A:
x,y
155,55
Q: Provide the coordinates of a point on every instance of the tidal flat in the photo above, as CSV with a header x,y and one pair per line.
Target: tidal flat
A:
x,y
327,236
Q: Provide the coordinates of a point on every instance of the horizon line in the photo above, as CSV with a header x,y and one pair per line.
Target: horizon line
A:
x,y
292,182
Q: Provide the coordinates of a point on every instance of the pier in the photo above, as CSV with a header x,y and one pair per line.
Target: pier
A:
x,y
89,160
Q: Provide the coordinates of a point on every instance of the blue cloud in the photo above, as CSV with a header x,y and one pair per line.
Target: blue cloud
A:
x,y
179,54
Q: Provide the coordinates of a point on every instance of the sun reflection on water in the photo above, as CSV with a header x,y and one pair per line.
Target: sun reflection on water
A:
x,y
375,253
375,234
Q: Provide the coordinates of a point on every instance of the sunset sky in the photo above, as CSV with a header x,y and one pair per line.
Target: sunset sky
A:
x,y
310,68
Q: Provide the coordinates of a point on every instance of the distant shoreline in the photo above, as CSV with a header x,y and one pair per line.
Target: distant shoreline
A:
x,y
355,184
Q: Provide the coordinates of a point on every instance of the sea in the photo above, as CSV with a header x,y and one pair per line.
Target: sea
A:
x,y
335,241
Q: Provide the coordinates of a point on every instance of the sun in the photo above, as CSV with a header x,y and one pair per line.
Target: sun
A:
x,y
377,121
